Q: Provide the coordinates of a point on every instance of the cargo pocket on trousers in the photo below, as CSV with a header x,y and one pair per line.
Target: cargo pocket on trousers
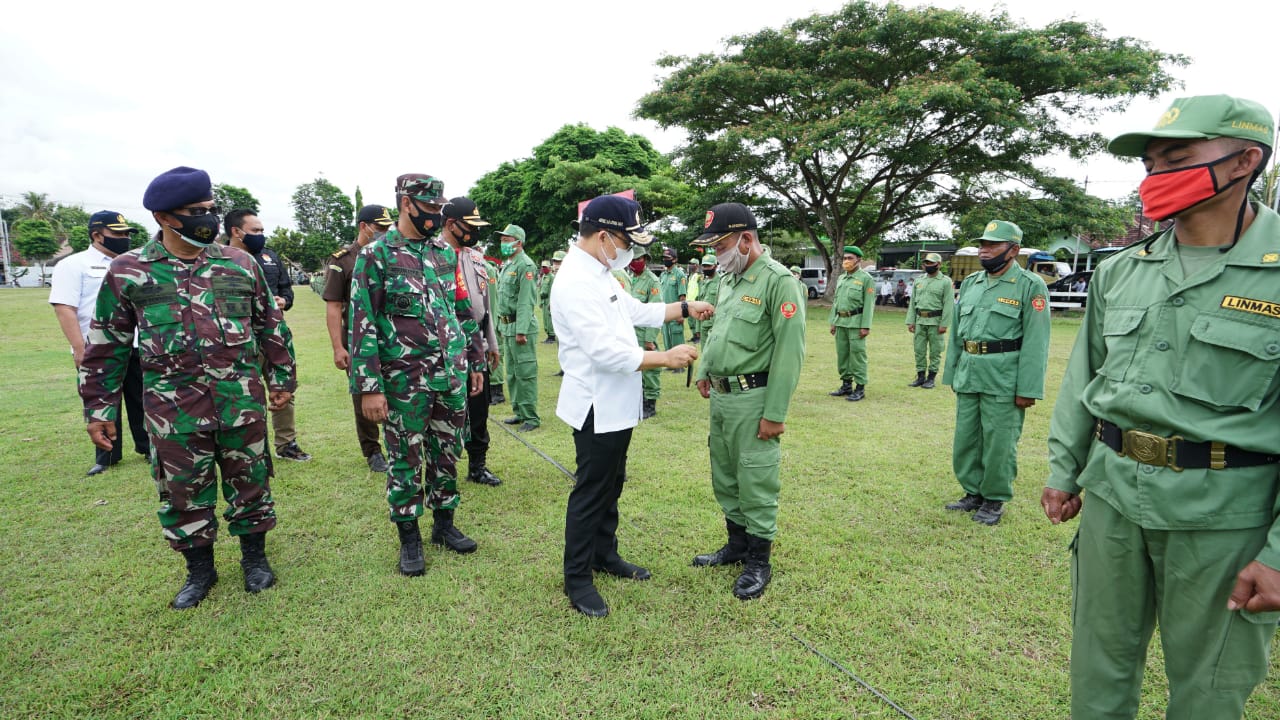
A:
x,y
1242,660
759,469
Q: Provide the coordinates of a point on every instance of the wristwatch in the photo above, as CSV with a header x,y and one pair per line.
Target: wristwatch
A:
x,y
684,308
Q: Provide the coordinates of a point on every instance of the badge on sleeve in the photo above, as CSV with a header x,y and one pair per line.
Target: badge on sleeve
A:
x,y
788,309
528,275
1037,302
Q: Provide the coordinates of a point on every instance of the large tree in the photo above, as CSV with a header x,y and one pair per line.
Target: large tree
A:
x,y
308,250
1061,208
323,211
541,193
35,240
229,197
875,117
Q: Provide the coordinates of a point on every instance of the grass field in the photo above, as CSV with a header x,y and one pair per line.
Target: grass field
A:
x,y
948,618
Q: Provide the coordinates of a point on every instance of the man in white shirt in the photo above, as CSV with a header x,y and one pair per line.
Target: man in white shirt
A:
x,y
600,397
74,295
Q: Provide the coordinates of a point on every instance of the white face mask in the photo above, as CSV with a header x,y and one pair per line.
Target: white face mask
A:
x,y
621,259
735,261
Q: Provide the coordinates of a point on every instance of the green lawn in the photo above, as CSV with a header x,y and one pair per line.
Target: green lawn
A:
x,y
948,618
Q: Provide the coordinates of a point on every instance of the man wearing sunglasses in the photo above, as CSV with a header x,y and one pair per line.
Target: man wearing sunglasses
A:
x,y
204,317
415,356
462,223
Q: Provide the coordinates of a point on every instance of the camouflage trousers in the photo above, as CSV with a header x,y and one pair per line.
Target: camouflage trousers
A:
x,y
414,419
183,467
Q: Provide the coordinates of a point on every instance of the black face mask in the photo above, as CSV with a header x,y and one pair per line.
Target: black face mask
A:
x,y
422,218
931,270
468,239
255,243
667,262
709,271
115,245
995,264
198,231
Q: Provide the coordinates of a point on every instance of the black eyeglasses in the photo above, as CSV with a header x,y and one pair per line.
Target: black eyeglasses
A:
x,y
626,243
199,211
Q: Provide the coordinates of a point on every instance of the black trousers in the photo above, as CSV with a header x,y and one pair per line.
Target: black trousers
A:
x,y
591,519
132,393
478,421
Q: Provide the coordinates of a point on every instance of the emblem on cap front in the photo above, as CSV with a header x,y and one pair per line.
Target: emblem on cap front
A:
x,y
710,216
1169,117
991,226
120,219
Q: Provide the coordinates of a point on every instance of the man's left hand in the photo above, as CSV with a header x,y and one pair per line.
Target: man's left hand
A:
x,y
1257,589
942,329
279,398
280,302
522,339
770,430
1022,402
863,332
477,383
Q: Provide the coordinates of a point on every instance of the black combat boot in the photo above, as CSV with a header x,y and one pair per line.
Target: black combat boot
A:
x,y
411,561
845,388
757,572
733,552
200,577
495,395
919,379
968,503
650,409
444,533
928,382
989,513
253,560
858,393
478,473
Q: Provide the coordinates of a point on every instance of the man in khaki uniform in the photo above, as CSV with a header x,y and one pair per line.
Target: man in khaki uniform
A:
x,y
1169,416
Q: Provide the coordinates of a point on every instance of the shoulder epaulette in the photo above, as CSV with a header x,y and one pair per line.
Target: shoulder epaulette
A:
x,y
337,255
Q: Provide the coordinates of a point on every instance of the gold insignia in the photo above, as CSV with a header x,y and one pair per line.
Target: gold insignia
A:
x,y
120,219
749,299
991,226
1010,301
1249,305
1271,257
1169,117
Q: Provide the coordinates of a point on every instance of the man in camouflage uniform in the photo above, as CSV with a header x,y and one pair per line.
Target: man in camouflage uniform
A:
x,y
644,287
372,224
929,314
413,357
851,314
674,286
462,223
517,298
203,314
709,290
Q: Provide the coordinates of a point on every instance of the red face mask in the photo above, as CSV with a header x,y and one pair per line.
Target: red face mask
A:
x,y
636,266
1165,194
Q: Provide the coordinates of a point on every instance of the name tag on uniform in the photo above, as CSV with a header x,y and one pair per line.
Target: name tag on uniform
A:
x,y
1249,305
749,299
613,298
1010,301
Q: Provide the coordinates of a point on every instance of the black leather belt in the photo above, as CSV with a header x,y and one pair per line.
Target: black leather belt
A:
x,y
928,313
987,347
507,318
1175,452
739,383
848,313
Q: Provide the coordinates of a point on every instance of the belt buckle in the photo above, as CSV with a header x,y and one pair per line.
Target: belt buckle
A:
x,y
1152,449
721,384
742,383
971,347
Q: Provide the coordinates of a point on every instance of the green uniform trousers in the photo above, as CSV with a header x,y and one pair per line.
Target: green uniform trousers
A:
x,y
1125,579
183,467
928,344
651,380
672,334
548,326
423,433
695,327
522,378
498,373
744,468
851,355
984,453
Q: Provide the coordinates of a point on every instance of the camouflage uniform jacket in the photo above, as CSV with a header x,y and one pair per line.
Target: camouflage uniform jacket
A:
x,y
202,326
410,315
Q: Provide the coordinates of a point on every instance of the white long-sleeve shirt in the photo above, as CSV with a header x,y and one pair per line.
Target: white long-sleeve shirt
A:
x,y
595,323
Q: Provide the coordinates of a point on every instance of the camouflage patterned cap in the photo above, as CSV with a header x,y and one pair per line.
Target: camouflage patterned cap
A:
x,y
421,187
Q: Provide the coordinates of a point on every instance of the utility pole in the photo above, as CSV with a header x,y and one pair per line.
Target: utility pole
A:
x,y
4,252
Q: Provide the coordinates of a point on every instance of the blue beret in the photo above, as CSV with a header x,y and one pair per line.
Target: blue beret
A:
x,y
176,188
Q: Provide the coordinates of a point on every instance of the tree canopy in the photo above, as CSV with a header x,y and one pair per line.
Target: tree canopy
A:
x,y
873,118
320,208
541,193
35,240
229,197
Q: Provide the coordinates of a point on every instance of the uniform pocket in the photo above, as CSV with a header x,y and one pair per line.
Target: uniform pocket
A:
x,y
160,331
1242,659
747,327
1120,334
1229,361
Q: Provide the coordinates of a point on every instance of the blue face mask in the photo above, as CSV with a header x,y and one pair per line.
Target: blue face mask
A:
x,y
255,243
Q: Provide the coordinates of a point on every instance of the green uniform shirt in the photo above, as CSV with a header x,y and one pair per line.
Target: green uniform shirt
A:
x,y
855,292
518,296
1014,305
932,294
644,287
1171,356
674,283
203,327
759,328
544,288
709,289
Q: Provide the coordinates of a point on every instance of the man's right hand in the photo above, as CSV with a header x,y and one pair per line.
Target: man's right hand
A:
x,y
833,329
1059,506
374,407
681,356
911,327
102,433
341,358
650,346
704,387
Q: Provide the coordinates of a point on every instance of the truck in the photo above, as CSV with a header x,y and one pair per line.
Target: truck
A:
x,y
965,262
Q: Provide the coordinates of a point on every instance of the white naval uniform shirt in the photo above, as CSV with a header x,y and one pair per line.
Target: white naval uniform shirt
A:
x,y
76,281
595,322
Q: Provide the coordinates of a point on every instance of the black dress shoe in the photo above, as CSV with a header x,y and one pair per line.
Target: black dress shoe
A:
x,y
511,421
990,512
377,462
96,470
623,569
496,397
968,503
527,427
589,603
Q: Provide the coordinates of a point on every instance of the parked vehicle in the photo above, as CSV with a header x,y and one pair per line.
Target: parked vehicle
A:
x,y
965,262
815,279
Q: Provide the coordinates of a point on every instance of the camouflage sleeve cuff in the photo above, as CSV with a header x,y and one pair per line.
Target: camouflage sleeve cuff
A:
x,y
105,414
365,385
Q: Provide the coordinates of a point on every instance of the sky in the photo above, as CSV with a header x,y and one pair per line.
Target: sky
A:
x,y
96,98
